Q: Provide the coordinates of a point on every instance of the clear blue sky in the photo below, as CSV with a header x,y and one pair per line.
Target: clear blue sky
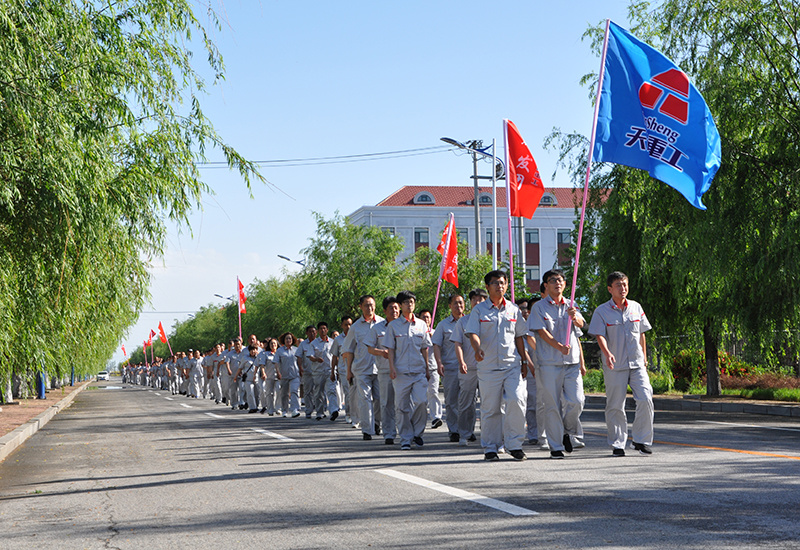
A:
x,y
320,79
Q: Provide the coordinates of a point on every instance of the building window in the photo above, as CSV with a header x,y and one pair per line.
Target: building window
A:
x,y
564,236
564,242
421,237
388,230
485,200
548,199
531,236
463,235
532,273
424,198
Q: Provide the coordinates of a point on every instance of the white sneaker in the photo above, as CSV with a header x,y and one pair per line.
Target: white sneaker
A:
x,y
463,442
348,420
544,446
577,443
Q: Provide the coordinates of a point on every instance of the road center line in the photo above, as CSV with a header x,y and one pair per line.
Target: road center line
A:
x,y
273,434
187,406
466,495
748,426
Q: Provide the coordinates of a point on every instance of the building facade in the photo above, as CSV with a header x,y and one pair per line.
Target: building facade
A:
x,y
419,213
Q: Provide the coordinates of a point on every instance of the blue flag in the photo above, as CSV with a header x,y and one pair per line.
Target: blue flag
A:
x,y
651,117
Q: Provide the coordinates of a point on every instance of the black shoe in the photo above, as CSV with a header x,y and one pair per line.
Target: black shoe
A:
x,y
518,454
263,410
367,437
567,443
319,418
436,423
224,399
295,415
472,438
334,415
308,415
216,401
251,411
643,448
418,441
377,429
618,452
454,437
556,454
491,457
389,441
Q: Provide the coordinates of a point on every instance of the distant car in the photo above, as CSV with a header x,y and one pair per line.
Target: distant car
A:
x,y
103,375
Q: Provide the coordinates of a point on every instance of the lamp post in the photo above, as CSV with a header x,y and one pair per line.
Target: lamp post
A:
x,y
498,172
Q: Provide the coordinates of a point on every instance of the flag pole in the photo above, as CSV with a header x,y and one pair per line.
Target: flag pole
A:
x,y
508,210
586,180
449,226
239,305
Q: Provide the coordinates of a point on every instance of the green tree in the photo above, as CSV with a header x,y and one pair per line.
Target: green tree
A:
x,y
100,128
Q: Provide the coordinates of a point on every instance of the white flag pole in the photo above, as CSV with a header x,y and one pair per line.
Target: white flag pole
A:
x,y
586,181
509,183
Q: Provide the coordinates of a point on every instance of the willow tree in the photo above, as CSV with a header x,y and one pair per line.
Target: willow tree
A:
x,y
100,129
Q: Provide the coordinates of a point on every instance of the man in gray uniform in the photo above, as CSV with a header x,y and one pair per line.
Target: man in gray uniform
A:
x,y
445,353
496,331
619,326
304,354
321,361
434,401
361,367
468,373
339,370
374,341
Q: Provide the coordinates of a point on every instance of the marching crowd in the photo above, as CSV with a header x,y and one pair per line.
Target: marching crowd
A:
x,y
523,360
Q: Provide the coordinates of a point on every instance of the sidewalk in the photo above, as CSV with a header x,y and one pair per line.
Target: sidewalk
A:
x,y
20,421
704,403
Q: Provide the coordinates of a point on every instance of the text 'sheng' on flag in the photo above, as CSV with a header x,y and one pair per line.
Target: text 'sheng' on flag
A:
x,y
651,117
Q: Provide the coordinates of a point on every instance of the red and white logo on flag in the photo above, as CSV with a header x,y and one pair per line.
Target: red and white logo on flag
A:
x,y
242,297
525,183
161,334
448,248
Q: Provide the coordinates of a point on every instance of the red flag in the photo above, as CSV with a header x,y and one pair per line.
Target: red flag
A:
x,y
448,248
525,184
150,337
144,345
242,297
161,334
123,351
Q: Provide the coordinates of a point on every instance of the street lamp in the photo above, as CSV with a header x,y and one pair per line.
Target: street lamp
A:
x,y
301,262
225,297
498,172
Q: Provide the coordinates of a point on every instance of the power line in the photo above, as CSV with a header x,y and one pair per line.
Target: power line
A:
x,y
314,161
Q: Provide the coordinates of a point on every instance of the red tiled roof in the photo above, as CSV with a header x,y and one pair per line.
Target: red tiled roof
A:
x,y
450,196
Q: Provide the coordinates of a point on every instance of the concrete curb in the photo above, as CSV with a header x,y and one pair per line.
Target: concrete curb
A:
x,y
701,403
18,436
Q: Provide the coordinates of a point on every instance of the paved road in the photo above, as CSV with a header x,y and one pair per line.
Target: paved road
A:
x,y
131,468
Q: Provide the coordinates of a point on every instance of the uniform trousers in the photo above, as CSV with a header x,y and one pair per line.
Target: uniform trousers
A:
x,y
411,394
617,381
502,389
388,405
562,391
320,377
248,390
369,399
308,391
332,393
451,388
196,384
434,401
353,401
534,412
268,394
290,395
467,390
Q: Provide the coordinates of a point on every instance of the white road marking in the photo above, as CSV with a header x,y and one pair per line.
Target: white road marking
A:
x,y
466,495
187,406
212,415
169,399
273,434
749,426
156,393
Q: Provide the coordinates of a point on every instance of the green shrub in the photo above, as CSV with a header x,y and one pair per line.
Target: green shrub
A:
x,y
787,394
689,369
662,383
593,381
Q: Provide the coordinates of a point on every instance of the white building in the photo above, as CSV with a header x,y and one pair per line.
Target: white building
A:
x,y
419,213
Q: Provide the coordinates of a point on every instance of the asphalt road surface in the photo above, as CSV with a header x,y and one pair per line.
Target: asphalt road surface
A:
x,y
126,467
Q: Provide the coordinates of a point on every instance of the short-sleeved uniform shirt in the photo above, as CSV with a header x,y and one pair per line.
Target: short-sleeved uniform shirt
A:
x,y
304,351
363,362
287,362
552,316
337,350
321,349
458,335
497,328
408,338
441,338
248,366
375,340
621,327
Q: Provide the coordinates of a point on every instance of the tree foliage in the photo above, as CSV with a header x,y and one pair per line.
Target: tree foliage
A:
x,y
100,128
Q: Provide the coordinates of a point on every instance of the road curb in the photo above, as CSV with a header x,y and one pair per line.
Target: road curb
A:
x,y
699,403
18,436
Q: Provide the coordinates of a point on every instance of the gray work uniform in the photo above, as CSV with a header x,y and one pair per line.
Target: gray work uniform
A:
x,y
441,338
468,383
365,373
387,397
304,351
290,380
